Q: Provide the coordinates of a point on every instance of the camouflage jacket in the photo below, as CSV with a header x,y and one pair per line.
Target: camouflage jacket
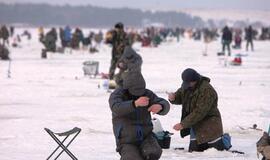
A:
x,y
119,42
200,112
263,146
4,33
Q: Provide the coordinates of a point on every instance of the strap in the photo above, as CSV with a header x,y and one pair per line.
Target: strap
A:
x,y
139,129
61,143
67,133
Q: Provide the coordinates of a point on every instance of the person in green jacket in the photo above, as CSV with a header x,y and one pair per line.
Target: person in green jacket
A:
x,y
201,118
118,41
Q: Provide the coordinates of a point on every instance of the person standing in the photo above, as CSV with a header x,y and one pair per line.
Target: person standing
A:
x,y
249,38
119,41
67,36
50,40
226,40
4,34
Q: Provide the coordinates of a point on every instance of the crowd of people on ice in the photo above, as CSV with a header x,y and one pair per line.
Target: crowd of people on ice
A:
x,y
131,103
77,38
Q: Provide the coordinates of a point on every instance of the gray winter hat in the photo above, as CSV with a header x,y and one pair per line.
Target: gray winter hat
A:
x,y
189,75
131,60
129,52
134,83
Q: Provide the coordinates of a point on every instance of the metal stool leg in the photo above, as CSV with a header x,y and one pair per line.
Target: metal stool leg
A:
x,y
61,144
68,145
56,149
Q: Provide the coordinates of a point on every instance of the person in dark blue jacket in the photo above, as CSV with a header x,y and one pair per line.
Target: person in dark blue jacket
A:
x,y
67,36
249,38
226,40
131,106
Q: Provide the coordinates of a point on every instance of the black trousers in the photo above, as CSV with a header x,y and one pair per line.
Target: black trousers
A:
x,y
149,149
251,44
112,67
226,45
194,146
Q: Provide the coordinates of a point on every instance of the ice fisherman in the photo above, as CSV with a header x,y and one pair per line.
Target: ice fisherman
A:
x,y
131,105
118,39
201,118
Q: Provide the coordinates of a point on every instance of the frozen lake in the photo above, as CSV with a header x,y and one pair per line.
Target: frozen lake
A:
x,y
54,93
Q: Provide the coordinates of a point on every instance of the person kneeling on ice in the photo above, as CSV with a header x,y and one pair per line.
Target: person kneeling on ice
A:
x,y
131,105
201,118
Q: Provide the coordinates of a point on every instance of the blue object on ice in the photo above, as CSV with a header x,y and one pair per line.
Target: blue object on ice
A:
x,y
226,139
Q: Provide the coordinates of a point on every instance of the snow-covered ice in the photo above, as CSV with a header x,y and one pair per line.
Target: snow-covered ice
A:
x,y
53,93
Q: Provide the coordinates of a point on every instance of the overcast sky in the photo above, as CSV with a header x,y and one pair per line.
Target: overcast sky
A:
x,y
163,4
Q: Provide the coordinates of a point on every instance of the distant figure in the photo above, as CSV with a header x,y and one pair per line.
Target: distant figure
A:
x,y
249,38
62,36
197,35
4,34
4,53
177,34
11,29
265,33
237,41
67,37
41,34
27,34
50,40
77,37
226,40
98,38
119,40
18,38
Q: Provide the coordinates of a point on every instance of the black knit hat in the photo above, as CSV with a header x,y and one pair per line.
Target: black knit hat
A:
x,y
119,25
134,83
189,75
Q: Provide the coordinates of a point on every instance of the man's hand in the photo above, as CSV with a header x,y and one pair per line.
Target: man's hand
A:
x,y
178,127
142,102
171,96
155,108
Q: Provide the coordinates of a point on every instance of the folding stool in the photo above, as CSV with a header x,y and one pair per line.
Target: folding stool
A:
x,y
66,134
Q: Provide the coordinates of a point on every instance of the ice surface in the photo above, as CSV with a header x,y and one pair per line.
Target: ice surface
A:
x,y
53,93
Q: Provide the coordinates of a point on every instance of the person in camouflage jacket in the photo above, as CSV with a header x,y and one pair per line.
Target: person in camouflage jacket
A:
x,y
4,34
263,146
201,118
49,40
119,41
